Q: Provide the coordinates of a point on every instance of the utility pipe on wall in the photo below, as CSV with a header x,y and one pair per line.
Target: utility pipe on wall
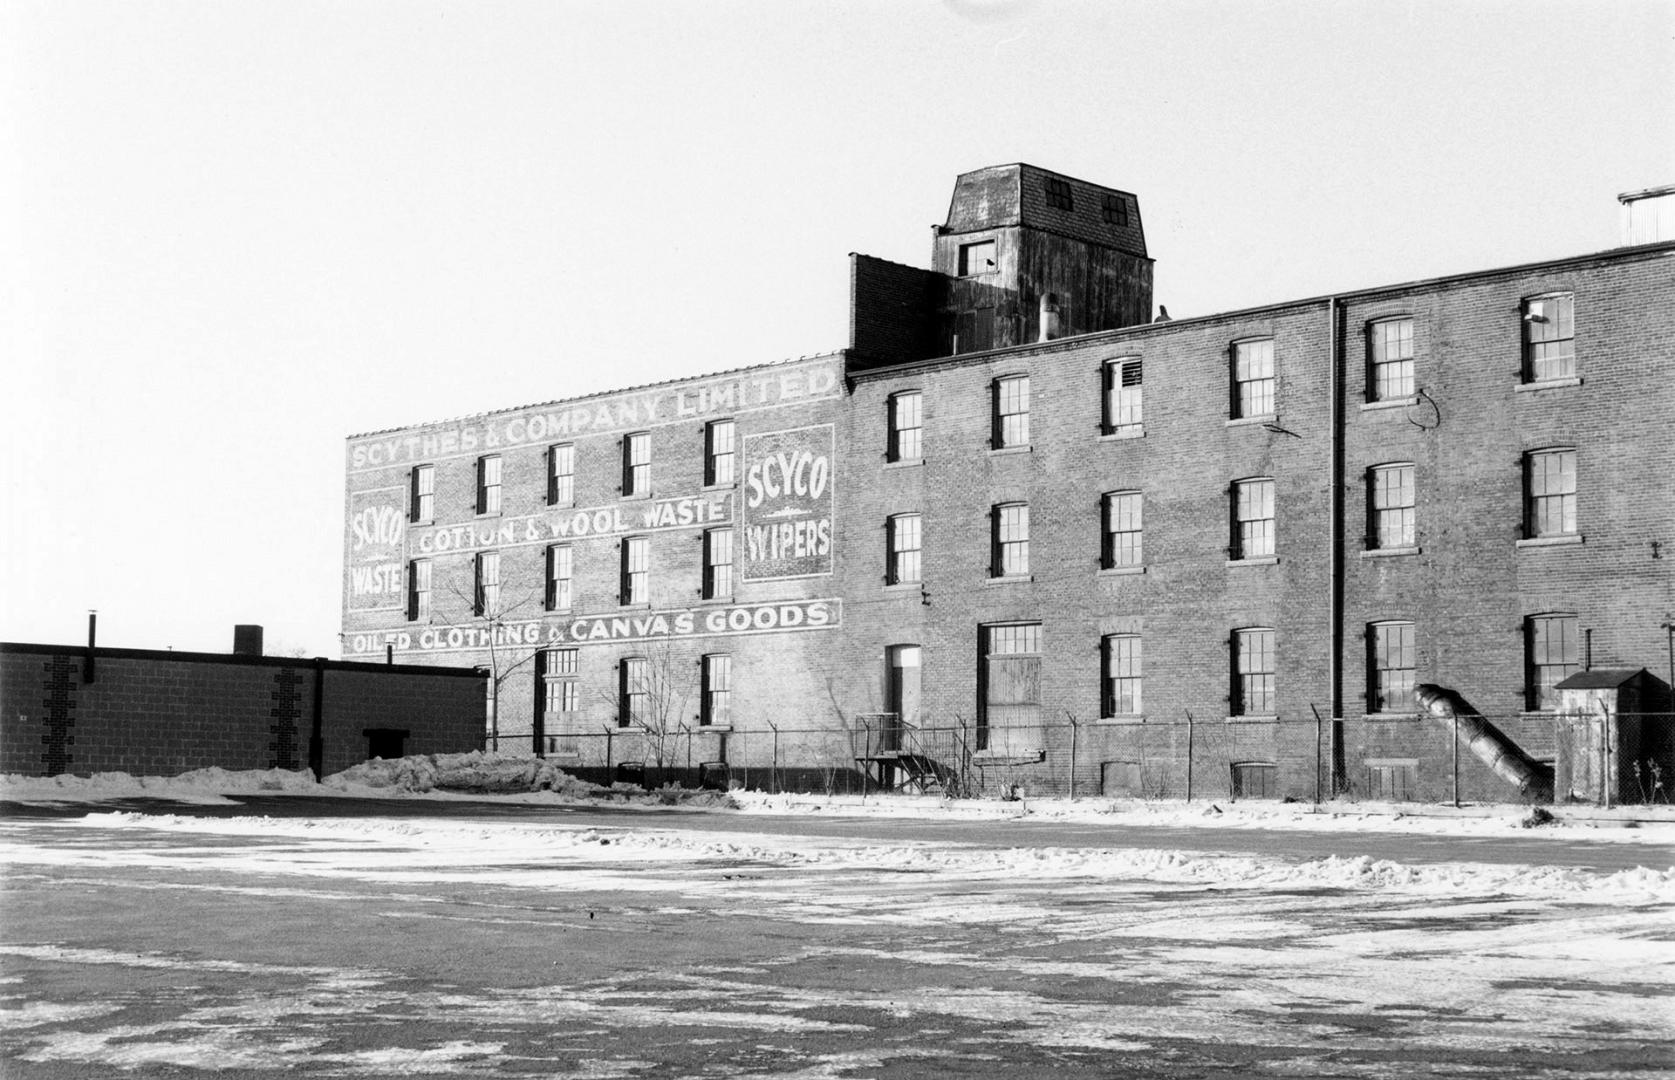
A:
x,y
1334,554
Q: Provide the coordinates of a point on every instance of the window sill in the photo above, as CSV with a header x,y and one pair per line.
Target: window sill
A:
x,y
1549,384
1391,718
1003,451
1264,718
723,729
1566,540
904,588
1390,553
1260,560
1121,571
729,486
638,496
1136,431
1010,579
1003,757
643,605
904,463
1390,403
1121,720
569,610
568,504
1253,421
713,600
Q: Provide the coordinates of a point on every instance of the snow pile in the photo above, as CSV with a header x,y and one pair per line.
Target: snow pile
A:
x,y
432,775
475,772
201,786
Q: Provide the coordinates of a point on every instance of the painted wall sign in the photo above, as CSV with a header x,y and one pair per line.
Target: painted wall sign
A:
x,y
761,388
789,497
579,524
786,616
377,532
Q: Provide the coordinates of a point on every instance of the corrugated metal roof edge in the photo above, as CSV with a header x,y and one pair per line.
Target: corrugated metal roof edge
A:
x,y
1640,251
833,354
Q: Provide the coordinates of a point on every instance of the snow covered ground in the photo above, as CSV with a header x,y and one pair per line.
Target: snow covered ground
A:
x,y
659,944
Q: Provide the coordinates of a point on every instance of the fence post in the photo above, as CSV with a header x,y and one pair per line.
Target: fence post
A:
x,y
1317,750
1605,754
1456,750
1072,720
1188,755
609,736
773,768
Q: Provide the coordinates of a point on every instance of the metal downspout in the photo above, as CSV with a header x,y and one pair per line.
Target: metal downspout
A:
x,y
1334,672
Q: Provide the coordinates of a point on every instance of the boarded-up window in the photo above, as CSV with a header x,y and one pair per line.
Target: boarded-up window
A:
x,y
1255,780
1011,688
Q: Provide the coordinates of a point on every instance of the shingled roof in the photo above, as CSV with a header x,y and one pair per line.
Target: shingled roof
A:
x,y
1019,194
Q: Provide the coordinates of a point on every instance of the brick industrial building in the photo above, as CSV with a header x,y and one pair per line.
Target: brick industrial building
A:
x,y
1021,532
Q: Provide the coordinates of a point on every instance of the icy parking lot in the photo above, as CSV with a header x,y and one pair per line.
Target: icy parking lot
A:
x,y
893,940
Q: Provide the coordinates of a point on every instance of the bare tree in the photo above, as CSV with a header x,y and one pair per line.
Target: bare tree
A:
x,y
652,695
492,614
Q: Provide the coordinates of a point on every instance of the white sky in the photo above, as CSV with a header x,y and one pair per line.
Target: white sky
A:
x,y
235,232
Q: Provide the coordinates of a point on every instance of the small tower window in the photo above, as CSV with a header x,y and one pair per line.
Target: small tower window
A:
x,y
978,258
1058,194
1116,210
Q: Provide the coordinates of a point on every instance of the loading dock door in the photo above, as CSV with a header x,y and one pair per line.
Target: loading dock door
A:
x,y
904,689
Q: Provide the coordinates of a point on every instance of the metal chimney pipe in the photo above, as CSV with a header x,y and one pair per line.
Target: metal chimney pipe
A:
x,y
92,641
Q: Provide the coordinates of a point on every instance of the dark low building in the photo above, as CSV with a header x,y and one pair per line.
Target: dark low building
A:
x,y
1024,534
80,710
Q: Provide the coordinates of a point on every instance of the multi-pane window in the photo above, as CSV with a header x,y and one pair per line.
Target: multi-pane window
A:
x,y
720,453
560,574
1390,355
560,682
1122,395
907,424
634,692
1253,672
1392,668
1549,338
977,258
636,463
1553,651
716,701
1115,210
1058,194
1122,676
905,540
1015,639
718,564
1253,518
488,484
421,505
418,589
1392,781
1392,519
1253,378
1122,546
561,474
1011,412
636,570
1011,540
486,595
1550,493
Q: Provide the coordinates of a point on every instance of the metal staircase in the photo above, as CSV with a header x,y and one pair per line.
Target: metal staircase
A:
x,y
894,756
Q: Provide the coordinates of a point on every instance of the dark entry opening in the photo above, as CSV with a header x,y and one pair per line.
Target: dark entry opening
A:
x,y
385,743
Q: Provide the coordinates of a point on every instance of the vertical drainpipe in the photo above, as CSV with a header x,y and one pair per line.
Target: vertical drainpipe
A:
x,y
1334,672
317,736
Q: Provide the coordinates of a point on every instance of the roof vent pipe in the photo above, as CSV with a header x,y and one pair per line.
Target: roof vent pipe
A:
x,y
1049,317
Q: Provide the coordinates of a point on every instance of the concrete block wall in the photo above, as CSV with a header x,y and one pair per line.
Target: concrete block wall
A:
x,y
151,713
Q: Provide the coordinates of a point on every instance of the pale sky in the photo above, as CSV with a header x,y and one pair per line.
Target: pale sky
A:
x,y
234,232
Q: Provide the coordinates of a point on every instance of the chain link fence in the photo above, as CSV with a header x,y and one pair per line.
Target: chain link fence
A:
x,y
1600,758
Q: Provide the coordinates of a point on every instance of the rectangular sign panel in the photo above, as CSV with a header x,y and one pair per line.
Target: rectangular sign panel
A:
x,y
788,503
775,618
377,530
